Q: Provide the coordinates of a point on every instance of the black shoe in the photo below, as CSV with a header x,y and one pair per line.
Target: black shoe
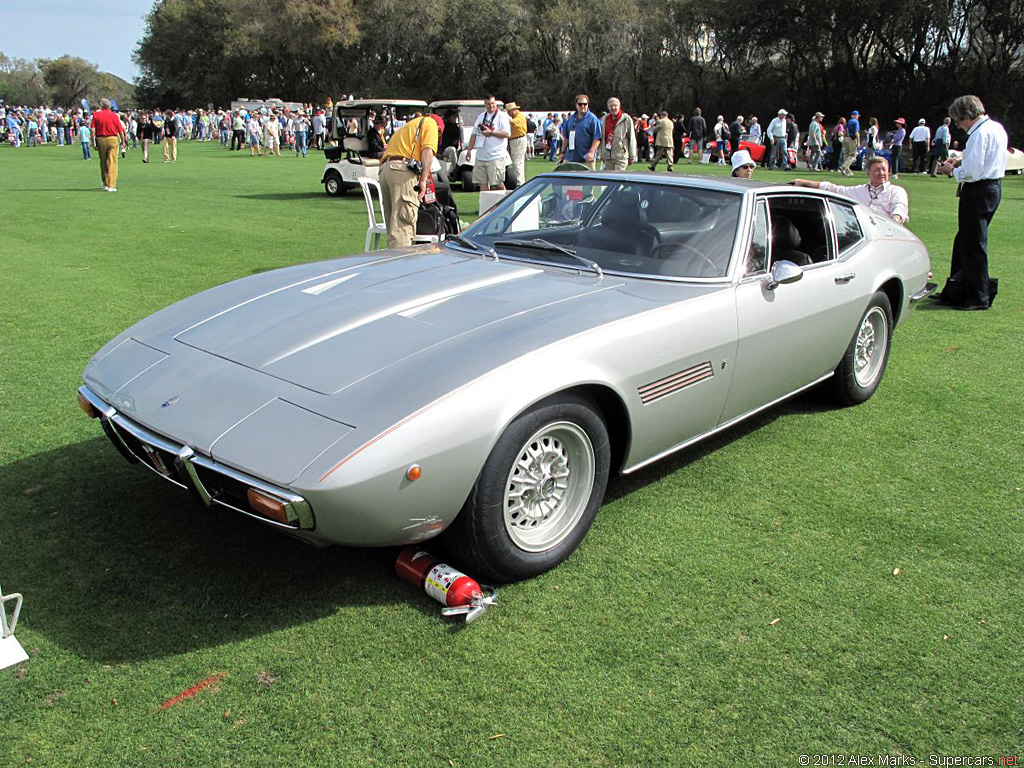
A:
x,y
651,167
969,307
670,169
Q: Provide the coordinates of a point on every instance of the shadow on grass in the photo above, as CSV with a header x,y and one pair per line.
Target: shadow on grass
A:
x,y
622,485
117,565
286,196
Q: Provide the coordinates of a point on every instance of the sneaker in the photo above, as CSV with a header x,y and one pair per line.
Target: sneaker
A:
x,y
112,189
106,189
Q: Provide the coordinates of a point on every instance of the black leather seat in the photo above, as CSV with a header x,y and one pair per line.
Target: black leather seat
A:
x,y
623,227
786,242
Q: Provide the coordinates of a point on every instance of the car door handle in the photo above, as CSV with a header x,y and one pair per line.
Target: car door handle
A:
x,y
844,279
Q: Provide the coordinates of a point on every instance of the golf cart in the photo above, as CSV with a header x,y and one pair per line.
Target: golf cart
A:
x,y
453,160
347,153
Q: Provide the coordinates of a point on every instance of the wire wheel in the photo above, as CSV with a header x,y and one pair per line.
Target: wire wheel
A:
x,y
872,340
549,486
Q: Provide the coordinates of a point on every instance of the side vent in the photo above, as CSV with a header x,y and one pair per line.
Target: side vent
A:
x,y
677,381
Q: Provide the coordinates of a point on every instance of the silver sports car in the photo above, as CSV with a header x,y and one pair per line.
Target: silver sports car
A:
x,y
485,388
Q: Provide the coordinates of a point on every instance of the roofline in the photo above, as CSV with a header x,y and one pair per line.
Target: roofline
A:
x,y
381,102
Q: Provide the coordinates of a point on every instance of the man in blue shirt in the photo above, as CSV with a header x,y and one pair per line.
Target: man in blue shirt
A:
x,y
940,147
582,135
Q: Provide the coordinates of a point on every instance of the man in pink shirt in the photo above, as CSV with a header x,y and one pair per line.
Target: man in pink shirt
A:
x,y
878,194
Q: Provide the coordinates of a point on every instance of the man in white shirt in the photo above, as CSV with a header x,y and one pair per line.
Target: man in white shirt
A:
x,y
490,139
920,143
777,133
878,194
979,171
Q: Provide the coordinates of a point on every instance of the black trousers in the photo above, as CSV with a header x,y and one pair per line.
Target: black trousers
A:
x,y
920,149
237,139
978,203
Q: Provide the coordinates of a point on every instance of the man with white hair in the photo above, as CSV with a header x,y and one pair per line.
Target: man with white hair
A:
x,y
920,143
777,132
878,194
108,132
618,139
978,171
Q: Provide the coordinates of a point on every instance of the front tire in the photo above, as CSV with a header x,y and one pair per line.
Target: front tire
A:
x,y
537,494
466,177
333,184
860,371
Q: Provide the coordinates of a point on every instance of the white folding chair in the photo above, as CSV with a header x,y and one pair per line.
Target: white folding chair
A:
x,y
11,652
377,232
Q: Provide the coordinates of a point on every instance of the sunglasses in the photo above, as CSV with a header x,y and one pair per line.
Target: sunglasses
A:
x,y
582,103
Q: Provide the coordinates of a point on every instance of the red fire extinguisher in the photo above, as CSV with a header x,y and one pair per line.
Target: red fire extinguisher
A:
x,y
460,594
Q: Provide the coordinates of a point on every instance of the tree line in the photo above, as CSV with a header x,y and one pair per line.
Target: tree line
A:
x,y
60,82
890,58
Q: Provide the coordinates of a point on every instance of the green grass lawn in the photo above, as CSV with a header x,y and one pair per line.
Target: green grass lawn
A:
x,y
655,644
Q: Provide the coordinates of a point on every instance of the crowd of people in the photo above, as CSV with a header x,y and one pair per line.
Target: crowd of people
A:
x,y
614,140
261,131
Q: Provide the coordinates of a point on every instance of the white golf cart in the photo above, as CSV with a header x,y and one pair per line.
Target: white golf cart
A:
x,y
455,163
347,158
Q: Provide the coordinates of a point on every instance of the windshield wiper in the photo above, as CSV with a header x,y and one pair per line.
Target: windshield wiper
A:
x,y
473,246
546,245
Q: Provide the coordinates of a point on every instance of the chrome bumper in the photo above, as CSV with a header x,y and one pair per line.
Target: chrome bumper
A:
x,y
928,289
212,483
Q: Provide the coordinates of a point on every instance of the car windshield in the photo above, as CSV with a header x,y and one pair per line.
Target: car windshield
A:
x,y
638,228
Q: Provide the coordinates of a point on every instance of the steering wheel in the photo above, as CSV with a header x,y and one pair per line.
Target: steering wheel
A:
x,y
662,252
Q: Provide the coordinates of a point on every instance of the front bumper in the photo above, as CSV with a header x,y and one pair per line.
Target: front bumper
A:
x,y
213,483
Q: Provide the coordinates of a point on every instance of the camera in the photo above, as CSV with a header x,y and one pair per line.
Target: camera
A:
x,y
415,166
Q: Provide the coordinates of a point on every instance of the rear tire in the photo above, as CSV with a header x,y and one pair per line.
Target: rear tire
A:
x,y
860,372
466,178
537,494
333,184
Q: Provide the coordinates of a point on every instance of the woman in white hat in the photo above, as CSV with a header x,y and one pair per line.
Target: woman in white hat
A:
x,y
742,164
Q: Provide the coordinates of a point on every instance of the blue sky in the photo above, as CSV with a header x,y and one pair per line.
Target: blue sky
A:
x,y
104,32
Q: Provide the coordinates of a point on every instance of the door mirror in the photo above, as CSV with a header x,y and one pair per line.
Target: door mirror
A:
x,y
783,272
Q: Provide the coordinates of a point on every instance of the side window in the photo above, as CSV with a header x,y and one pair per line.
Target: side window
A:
x,y
848,231
798,230
757,255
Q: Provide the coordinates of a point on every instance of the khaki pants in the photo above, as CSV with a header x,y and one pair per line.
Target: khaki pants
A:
x,y
616,162
108,147
145,150
517,151
401,202
660,152
849,153
170,149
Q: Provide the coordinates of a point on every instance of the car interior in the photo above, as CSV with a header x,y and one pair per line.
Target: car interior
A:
x,y
639,228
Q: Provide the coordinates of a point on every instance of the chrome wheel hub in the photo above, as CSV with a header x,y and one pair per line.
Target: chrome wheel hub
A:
x,y
869,351
549,486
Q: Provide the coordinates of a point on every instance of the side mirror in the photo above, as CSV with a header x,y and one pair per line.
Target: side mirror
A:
x,y
783,272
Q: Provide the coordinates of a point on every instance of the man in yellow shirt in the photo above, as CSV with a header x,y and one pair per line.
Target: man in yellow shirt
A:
x,y
517,141
405,164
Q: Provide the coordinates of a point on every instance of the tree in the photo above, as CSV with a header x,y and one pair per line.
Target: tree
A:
x,y
70,79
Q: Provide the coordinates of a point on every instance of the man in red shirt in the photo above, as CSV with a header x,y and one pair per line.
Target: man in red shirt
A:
x,y
108,132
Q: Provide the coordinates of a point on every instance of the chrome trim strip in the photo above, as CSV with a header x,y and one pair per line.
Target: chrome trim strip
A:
x,y
297,508
721,427
928,289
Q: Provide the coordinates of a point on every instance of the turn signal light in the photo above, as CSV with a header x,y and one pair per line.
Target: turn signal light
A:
x,y
86,406
267,506
413,473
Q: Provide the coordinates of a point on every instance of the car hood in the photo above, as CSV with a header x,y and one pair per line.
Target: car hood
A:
x,y
338,328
